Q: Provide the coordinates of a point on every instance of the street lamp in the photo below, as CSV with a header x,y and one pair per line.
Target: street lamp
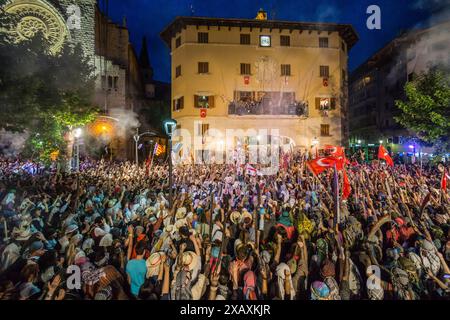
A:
x,y
77,134
381,141
169,127
359,141
136,140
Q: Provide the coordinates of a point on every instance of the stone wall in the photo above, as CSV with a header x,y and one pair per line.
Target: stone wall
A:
x,y
86,34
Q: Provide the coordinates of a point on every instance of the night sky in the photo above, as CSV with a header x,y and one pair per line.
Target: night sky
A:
x,y
149,17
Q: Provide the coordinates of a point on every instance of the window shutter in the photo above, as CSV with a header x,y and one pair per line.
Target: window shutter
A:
x,y
174,104
195,101
211,101
317,103
333,103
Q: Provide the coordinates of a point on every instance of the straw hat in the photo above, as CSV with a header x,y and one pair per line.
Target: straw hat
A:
x,y
181,213
106,240
179,223
235,217
189,260
153,263
246,215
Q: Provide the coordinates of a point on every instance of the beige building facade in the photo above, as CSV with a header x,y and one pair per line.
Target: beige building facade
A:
x,y
283,78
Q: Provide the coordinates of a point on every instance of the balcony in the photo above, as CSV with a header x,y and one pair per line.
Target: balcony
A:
x,y
264,108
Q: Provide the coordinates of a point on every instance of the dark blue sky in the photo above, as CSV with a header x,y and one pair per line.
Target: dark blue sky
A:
x,y
149,17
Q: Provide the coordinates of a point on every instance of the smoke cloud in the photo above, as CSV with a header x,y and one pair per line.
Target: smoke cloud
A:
x,y
11,143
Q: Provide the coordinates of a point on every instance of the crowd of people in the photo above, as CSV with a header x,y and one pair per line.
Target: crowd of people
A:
x,y
228,235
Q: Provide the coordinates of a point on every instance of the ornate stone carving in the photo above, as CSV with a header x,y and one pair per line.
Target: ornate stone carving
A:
x,y
266,70
38,16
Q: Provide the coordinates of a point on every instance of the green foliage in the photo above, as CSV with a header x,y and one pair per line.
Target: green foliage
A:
x,y
43,94
426,110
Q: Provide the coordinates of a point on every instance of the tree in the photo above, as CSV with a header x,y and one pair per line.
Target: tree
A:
x,y
426,110
43,94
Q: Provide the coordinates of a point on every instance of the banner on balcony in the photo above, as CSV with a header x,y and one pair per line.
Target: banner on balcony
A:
x,y
202,113
325,82
246,79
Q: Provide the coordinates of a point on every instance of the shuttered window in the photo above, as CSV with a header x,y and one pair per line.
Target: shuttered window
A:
x,y
203,37
203,102
203,67
324,130
245,68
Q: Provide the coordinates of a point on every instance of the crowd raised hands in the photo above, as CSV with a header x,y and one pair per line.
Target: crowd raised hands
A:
x,y
108,232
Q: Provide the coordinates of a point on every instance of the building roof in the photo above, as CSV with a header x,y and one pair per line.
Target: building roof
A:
x,y
346,31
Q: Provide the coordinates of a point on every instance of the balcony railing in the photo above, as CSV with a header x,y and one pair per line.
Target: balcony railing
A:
x,y
246,108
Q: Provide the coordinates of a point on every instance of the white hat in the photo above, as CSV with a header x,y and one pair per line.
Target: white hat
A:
x,y
106,240
181,213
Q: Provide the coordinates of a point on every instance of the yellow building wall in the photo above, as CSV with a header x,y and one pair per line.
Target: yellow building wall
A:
x,y
224,53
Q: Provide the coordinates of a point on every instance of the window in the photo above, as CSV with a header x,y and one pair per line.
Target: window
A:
x,y
410,77
323,42
110,82
245,68
285,41
104,82
265,41
245,39
244,95
203,37
325,103
178,71
324,130
205,102
324,71
285,69
203,67
178,42
116,83
178,104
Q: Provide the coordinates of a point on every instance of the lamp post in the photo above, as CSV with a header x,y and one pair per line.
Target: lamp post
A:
x,y
77,134
169,127
136,140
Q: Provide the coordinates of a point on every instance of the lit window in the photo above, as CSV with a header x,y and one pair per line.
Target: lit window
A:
x,y
265,41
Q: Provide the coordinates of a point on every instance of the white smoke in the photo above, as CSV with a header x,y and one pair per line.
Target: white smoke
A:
x,y
12,143
431,40
127,120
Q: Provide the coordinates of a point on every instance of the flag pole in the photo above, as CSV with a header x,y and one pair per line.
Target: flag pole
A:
x,y
337,212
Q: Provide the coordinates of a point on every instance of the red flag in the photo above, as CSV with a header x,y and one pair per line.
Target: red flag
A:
x,y
444,182
347,189
335,151
339,154
383,154
318,165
